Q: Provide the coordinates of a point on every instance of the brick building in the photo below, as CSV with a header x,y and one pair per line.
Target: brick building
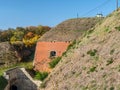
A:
x,y
46,50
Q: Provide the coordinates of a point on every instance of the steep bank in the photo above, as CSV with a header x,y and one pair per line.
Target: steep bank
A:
x,y
93,63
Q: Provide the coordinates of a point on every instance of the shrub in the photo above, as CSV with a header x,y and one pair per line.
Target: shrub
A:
x,y
41,75
54,62
87,33
112,88
64,53
110,61
107,29
92,52
3,83
112,51
117,28
92,69
71,45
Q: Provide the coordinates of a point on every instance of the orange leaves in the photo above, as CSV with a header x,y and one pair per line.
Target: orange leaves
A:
x,y
30,39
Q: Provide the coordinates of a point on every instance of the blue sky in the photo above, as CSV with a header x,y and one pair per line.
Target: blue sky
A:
x,y
22,13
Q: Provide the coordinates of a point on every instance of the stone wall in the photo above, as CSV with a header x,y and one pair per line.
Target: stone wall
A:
x,y
17,80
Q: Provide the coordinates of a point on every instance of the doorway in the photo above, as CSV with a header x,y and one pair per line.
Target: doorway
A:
x,y
13,87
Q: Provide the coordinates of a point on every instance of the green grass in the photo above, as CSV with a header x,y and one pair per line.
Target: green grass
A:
x,y
92,52
112,51
87,33
54,62
117,28
41,75
27,65
112,88
110,61
107,29
71,45
92,69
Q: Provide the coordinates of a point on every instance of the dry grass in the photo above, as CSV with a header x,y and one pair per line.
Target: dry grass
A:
x,y
70,29
79,70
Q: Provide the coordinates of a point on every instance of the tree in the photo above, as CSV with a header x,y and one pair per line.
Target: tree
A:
x,y
30,39
17,37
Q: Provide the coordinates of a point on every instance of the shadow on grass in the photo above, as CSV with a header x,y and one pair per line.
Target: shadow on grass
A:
x,y
3,83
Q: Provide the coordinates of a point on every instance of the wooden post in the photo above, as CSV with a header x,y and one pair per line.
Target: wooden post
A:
x,y
117,5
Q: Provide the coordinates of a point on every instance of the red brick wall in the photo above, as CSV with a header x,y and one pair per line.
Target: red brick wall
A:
x,y
42,54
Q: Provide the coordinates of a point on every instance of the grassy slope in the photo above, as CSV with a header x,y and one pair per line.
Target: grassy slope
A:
x,y
70,29
82,70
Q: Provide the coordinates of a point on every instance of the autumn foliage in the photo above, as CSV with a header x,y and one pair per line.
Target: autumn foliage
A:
x,y
30,39
27,36
23,40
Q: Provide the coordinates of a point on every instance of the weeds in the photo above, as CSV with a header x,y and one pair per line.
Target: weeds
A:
x,y
41,75
43,85
112,51
54,62
117,28
88,33
71,45
110,61
92,52
112,88
92,69
107,29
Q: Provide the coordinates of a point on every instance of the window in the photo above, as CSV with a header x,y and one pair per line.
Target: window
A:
x,y
52,53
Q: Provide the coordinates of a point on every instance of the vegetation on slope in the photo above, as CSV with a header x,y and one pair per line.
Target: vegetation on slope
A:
x,y
93,63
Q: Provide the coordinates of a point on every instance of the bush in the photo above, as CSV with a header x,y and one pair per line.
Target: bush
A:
x,y
112,51
88,32
92,69
110,61
71,45
117,28
112,88
54,62
3,83
41,75
92,52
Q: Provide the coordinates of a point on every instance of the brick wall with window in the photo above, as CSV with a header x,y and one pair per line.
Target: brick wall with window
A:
x,y
45,51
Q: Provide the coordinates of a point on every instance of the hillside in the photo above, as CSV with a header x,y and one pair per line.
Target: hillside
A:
x,y
93,63
7,54
70,29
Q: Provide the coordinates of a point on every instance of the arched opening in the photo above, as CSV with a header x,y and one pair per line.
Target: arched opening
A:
x,y
13,87
52,54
